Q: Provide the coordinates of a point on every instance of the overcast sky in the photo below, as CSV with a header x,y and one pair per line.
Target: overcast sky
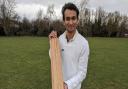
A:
x,y
29,8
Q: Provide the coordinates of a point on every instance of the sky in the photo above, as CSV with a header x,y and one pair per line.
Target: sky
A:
x,y
29,8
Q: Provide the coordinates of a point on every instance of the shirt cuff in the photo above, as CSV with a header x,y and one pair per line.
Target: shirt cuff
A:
x,y
69,84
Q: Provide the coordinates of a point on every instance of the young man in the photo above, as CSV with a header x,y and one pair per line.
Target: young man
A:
x,y
74,49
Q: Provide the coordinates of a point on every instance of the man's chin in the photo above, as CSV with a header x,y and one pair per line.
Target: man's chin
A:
x,y
71,30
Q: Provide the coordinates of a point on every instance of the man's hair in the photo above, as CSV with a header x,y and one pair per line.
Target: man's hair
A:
x,y
70,6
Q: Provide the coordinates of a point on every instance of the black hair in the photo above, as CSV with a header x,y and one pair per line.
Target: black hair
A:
x,y
70,6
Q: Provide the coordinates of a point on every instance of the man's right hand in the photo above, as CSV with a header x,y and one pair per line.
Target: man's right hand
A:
x,y
53,34
65,86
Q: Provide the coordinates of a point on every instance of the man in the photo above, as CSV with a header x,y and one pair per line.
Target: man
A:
x,y
74,49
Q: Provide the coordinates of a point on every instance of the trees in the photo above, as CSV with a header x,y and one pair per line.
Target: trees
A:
x,y
51,14
24,27
123,29
99,23
7,12
84,17
92,23
58,26
38,23
84,13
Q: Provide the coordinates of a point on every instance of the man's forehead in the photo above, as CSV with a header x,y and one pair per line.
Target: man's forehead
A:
x,y
70,12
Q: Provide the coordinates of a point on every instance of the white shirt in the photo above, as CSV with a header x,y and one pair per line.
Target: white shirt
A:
x,y
74,59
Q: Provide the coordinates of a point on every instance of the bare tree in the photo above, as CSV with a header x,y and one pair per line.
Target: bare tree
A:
x,y
122,27
82,4
39,19
84,16
17,18
7,12
39,14
51,14
39,23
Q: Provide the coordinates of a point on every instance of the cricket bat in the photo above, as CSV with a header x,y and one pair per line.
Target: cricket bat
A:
x,y
56,65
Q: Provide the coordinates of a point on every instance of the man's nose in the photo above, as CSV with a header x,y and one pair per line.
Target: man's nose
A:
x,y
70,22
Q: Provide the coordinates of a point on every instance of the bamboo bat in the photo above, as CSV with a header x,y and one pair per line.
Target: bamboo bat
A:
x,y
56,65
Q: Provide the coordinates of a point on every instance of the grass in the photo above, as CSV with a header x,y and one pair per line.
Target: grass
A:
x,y
25,64
108,64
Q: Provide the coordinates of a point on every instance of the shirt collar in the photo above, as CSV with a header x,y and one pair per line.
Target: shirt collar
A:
x,y
73,36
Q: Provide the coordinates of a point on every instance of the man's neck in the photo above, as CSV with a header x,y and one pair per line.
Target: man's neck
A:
x,y
70,35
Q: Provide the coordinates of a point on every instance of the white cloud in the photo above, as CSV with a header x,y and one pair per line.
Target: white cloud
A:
x,y
44,2
29,8
110,5
30,11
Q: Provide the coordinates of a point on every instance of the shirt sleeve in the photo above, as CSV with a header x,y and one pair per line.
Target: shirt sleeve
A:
x,y
82,69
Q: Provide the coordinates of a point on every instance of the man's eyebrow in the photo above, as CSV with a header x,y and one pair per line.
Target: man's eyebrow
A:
x,y
73,16
70,17
67,17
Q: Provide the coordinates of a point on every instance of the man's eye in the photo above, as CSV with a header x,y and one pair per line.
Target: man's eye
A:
x,y
73,18
67,18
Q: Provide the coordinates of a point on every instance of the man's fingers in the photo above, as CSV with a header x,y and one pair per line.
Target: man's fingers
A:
x,y
53,34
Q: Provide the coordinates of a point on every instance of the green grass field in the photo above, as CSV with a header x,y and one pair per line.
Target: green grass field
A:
x,y
25,64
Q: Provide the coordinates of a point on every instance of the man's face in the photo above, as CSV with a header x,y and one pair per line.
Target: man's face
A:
x,y
70,20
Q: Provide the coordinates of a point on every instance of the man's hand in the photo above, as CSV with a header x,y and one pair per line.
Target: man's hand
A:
x,y
65,86
53,34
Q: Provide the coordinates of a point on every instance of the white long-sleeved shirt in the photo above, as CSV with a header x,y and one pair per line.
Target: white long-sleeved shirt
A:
x,y
74,59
